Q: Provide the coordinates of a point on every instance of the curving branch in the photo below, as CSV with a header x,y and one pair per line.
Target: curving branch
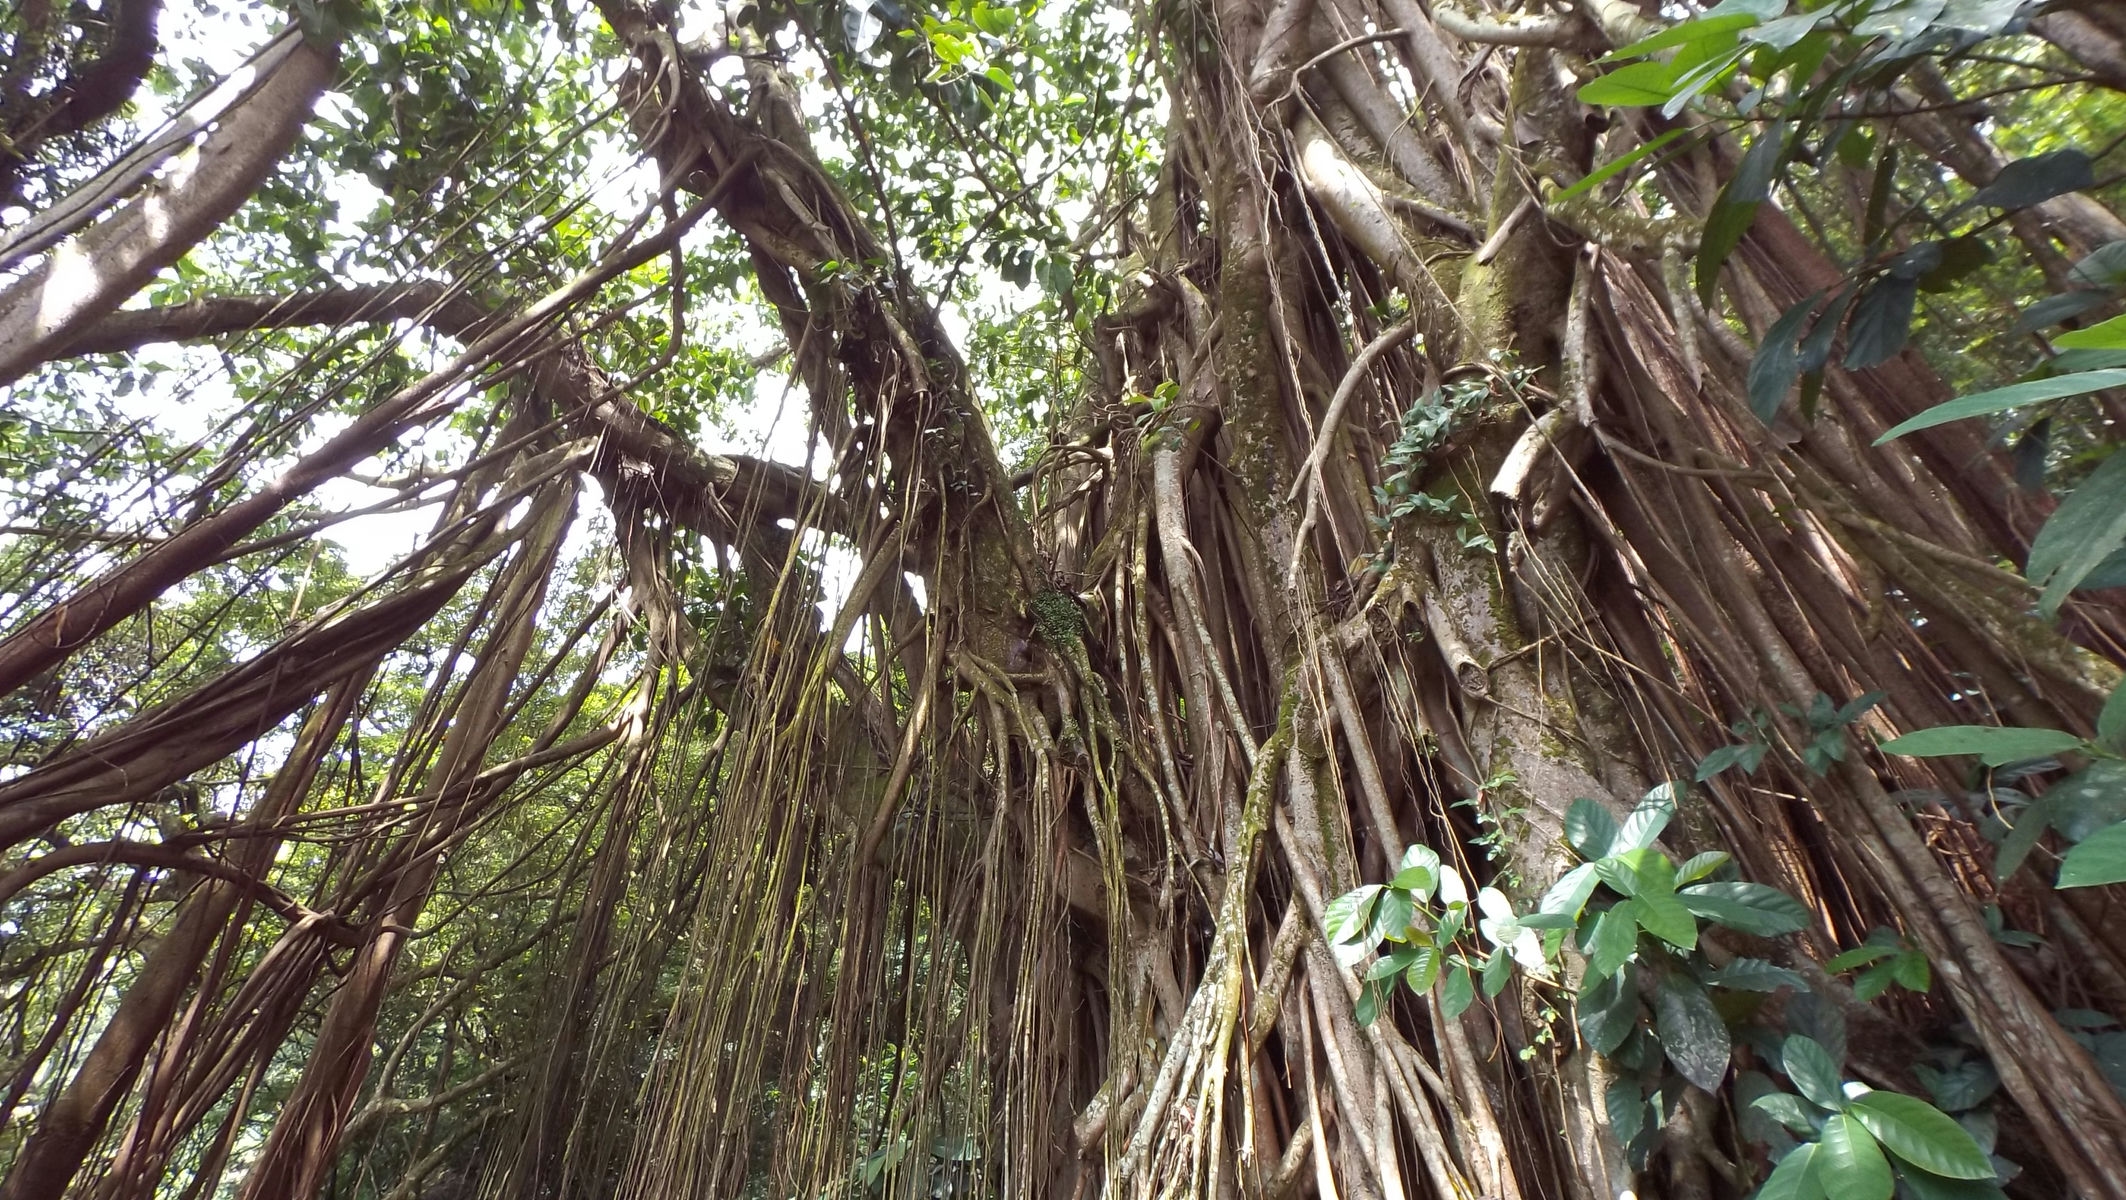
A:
x,y
1563,29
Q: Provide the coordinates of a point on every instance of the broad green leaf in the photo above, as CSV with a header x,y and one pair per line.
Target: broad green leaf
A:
x,y
1858,956
2027,181
1899,21
1977,16
1850,1164
1750,908
1735,208
1458,993
1646,821
1701,29
1660,913
2111,723
2099,859
1756,975
1813,1071
1626,1108
1921,1134
1789,1110
1633,85
1419,871
1589,829
1424,971
2016,395
1912,971
1794,1178
2091,799
1995,745
1498,969
2104,335
2030,825
1783,32
1346,921
2104,268
1698,866
1616,935
2081,533
1392,963
1882,320
1691,1031
1392,914
2053,309
1616,166
1569,894
1368,1006
1777,363
1608,1012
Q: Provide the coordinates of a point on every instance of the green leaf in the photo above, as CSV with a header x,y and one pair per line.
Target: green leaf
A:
x,y
1660,913
2030,825
1647,820
1691,1031
1921,1134
1978,16
2053,309
1698,866
1811,1068
1569,894
1859,956
1419,871
2017,395
1626,1108
1750,908
1635,85
1789,1110
1882,321
2105,335
1589,829
1794,1178
1783,32
2081,533
1608,1012
1756,975
1850,1164
1346,921
1899,20
1700,29
1392,914
2099,859
2027,181
1368,1006
1392,963
1735,208
1959,257
1616,935
1616,166
2104,268
1498,969
1912,971
1995,745
1458,993
2111,723
1775,366
1424,970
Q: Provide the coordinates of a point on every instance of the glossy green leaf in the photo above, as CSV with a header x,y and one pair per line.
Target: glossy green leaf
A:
x,y
1750,908
2016,395
1794,1178
1647,820
1698,866
2105,267
1616,936
2104,335
1777,362
2027,181
1882,321
1849,1162
1756,975
1424,970
1633,85
1735,208
1813,1071
2098,859
2081,533
1995,745
1609,1011
1789,1110
1921,1134
2111,722
1458,993
1589,829
1418,873
1691,1031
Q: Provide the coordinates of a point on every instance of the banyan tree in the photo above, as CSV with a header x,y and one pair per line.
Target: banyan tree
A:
x,y
1194,598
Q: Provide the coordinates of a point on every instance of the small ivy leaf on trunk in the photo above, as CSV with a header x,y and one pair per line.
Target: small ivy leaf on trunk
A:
x,y
2028,181
1691,1031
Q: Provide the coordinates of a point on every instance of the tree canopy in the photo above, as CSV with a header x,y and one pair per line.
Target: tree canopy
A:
x,y
1243,598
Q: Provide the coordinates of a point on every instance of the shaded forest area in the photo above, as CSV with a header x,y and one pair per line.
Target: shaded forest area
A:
x,y
1362,599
